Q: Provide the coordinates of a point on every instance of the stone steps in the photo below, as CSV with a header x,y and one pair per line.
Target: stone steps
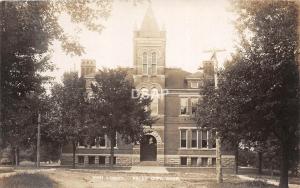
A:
x,y
148,163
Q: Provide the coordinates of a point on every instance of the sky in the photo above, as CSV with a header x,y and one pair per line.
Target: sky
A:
x,y
192,27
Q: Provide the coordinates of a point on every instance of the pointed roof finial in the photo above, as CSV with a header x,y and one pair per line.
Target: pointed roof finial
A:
x,y
163,27
135,26
149,23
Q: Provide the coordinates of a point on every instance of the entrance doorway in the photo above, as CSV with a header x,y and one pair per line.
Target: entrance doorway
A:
x,y
148,148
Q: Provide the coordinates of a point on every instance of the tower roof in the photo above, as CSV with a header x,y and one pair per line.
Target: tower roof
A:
x,y
149,23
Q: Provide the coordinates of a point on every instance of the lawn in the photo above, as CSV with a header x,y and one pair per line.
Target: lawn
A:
x,y
65,178
252,184
25,180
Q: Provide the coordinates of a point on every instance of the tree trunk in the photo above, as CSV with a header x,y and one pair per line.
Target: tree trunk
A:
x,y
271,171
284,167
219,160
259,162
16,156
112,151
74,152
237,159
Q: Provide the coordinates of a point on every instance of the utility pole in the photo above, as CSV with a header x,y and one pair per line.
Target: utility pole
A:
x,y
38,141
218,140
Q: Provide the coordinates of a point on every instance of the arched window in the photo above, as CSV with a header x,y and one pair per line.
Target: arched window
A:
x,y
144,92
154,103
154,63
145,63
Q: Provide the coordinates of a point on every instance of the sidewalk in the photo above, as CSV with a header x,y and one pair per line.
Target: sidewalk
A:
x,y
149,169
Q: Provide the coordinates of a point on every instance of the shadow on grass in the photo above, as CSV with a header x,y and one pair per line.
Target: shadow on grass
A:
x,y
28,181
252,184
6,170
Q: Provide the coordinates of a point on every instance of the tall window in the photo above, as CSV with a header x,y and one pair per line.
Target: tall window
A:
x,y
204,139
154,103
194,138
144,92
213,138
154,63
92,142
194,102
183,106
81,142
102,140
183,138
116,141
145,63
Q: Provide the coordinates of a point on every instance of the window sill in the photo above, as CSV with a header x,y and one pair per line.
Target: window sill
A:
x,y
149,75
207,149
188,115
184,115
202,149
94,147
183,148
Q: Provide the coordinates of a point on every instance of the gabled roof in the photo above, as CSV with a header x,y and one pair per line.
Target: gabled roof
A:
x,y
149,23
175,78
196,75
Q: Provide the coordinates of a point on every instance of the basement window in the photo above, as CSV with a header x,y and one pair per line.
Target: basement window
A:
x,y
91,159
101,160
194,161
80,159
204,161
114,161
194,85
213,161
183,161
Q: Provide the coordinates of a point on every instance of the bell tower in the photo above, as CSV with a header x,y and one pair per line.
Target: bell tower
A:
x,y
149,51
149,75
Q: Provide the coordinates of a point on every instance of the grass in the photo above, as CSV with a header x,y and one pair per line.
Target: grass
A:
x,y
28,181
249,184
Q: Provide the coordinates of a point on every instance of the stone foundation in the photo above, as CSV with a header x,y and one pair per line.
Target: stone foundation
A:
x,y
228,161
202,161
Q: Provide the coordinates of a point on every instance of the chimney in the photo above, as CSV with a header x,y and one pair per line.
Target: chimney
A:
x,y
88,66
208,69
